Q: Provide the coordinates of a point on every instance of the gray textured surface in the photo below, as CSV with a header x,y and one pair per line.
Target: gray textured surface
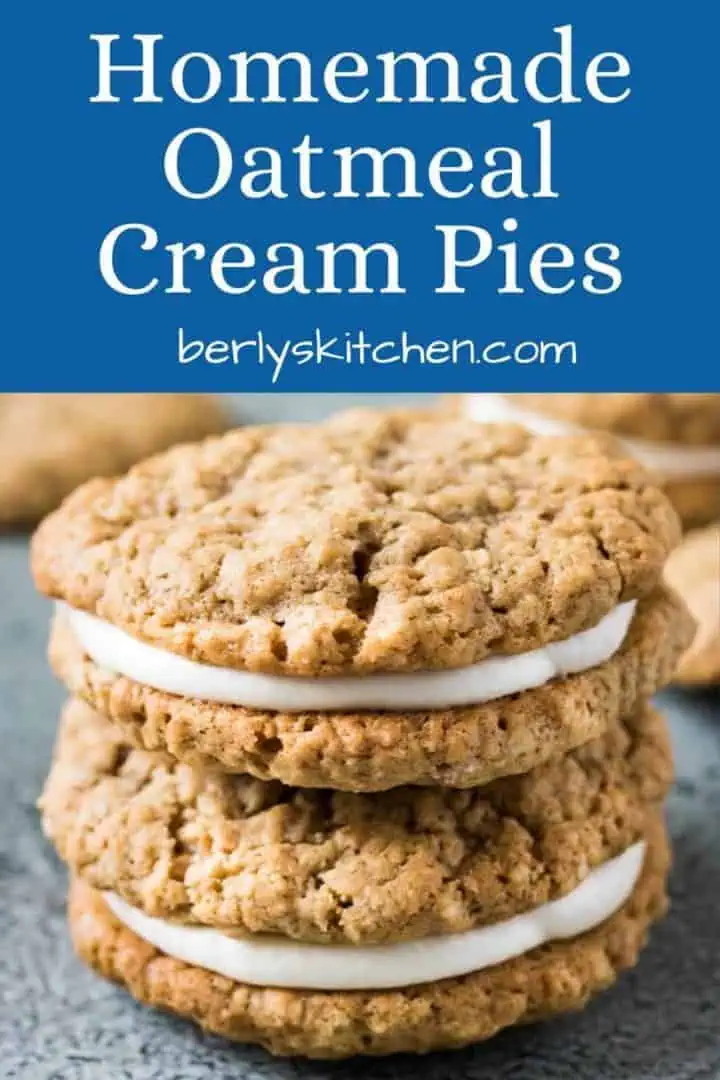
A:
x,y
59,1022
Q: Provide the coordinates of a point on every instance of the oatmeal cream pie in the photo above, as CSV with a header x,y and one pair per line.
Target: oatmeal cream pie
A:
x,y
304,602
254,857
50,443
439,993
694,570
675,435
459,747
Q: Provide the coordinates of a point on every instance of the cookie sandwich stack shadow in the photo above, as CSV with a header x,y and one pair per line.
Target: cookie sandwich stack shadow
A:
x,y
675,435
359,756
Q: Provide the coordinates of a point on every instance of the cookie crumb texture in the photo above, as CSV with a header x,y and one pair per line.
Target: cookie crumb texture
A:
x,y
323,866
685,419
374,541
694,570
557,978
50,443
374,751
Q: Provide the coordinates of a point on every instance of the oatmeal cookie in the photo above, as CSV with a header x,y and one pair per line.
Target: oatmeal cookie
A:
x,y
554,979
373,542
374,750
694,570
319,866
50,443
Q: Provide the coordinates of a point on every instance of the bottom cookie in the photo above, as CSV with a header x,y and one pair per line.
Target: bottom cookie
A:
x,y
450,1014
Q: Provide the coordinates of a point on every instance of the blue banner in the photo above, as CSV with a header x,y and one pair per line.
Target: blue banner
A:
x,y
385,197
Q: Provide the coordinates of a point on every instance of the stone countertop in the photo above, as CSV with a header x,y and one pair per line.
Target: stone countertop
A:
x,y
59,1022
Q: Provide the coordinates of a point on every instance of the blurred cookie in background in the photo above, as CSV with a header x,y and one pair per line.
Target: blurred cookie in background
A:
x,y
693,570
675,435
50,443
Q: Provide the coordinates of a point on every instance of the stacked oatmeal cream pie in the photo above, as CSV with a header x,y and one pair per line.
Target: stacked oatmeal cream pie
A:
x,y
359,756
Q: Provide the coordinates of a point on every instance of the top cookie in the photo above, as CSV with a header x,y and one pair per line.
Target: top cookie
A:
x,y
372,542
690,419
50,443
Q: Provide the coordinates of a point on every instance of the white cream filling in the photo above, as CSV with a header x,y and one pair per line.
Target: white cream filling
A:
x,y
275,961
498,676
670,459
